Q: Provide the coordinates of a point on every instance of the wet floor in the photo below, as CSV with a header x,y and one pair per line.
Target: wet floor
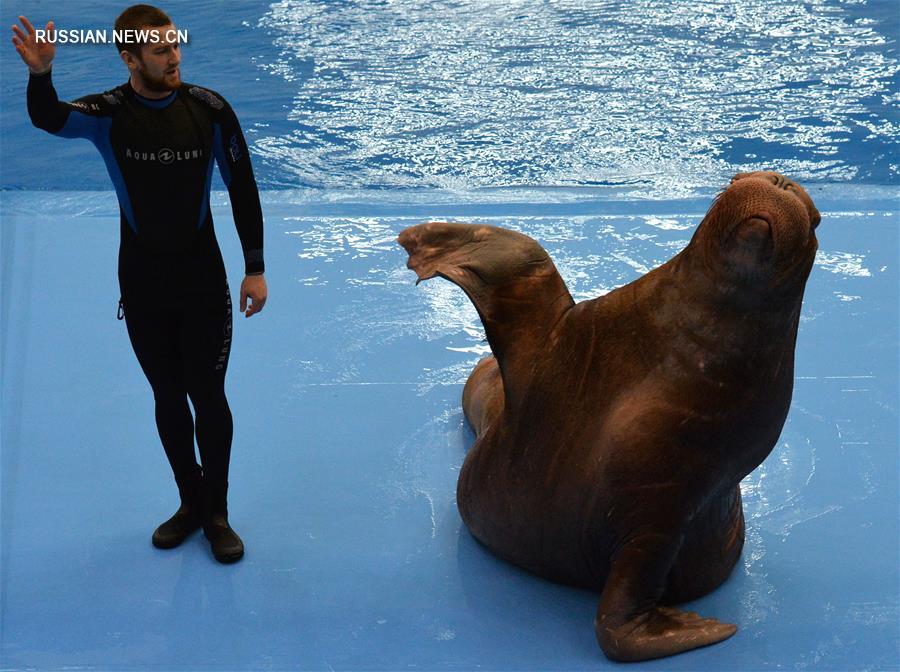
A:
x,y
348,441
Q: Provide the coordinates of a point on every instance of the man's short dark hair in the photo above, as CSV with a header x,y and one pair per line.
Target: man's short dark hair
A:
x,y
135,18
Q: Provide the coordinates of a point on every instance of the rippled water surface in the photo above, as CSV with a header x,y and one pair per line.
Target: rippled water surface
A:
x,y
669,94
658,95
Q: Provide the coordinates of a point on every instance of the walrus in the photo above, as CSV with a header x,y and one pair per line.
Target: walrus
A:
x,y
611,435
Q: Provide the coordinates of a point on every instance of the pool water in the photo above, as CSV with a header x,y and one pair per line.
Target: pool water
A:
x,y
657,96
601,129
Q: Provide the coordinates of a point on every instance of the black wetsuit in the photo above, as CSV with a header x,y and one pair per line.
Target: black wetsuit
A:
x,y
175,296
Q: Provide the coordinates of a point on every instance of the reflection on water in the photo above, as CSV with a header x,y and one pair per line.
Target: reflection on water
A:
x,y
663,95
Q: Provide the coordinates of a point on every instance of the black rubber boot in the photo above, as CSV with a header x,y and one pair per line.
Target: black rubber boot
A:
x,y
189,516
179,527
226,544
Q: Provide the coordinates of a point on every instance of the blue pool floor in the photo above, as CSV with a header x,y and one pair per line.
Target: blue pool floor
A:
x,y
348,441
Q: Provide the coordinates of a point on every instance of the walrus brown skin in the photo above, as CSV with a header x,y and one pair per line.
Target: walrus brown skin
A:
x,y
612,434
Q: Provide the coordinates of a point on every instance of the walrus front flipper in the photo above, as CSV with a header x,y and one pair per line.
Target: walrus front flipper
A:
x,y
514,285
630,625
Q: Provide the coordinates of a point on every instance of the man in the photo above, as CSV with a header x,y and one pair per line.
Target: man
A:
x,y
158,137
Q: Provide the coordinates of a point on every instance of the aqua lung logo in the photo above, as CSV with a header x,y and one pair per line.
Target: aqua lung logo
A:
x,y
164,155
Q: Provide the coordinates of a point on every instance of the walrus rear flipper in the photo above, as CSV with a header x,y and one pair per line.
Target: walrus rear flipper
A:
x,y
519,295
630,624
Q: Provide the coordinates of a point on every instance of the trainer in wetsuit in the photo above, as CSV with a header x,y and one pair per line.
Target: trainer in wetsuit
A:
x,y
158,138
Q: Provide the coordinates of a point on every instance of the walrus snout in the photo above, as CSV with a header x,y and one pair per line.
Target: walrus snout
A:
x,y
786,184
764,224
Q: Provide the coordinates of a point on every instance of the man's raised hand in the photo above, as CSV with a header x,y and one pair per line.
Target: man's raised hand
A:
x,y
37,54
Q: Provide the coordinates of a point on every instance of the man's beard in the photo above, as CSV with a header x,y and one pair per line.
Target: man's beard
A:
x,y
159,84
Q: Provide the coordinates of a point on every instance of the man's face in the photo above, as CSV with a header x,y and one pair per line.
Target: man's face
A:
x,y
158,64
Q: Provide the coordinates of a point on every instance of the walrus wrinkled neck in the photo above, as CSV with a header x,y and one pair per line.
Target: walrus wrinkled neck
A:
x,y
728,317
760,289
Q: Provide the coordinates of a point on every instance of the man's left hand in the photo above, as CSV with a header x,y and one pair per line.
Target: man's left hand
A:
x,y
253,286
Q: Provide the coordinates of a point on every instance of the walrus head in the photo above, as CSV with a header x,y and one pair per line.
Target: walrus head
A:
x,y
761,231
